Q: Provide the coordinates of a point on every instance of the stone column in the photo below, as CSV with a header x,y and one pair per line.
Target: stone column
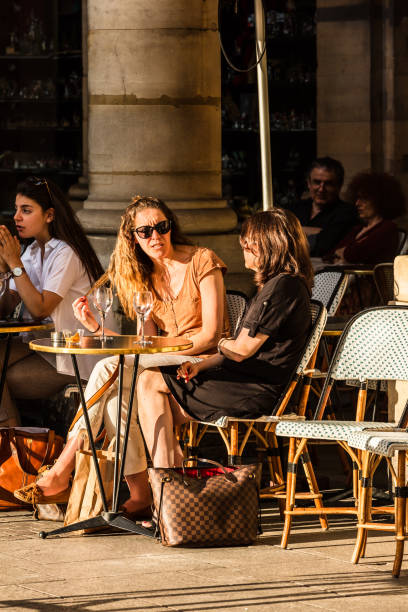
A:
x,y
343,82
362,88
79,191
154,114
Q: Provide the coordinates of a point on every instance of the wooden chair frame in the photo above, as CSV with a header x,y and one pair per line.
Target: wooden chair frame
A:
x,y
298,445
370,460
230,433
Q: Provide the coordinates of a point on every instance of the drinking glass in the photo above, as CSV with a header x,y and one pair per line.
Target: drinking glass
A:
x,y
143,301
102,299
3,284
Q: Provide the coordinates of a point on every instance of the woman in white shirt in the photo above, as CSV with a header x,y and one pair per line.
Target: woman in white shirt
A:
x,y
58,266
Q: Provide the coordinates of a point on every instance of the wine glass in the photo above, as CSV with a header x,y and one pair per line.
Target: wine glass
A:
x,y
102,298
143,301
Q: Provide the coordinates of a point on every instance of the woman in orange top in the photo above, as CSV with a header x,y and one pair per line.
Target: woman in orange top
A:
x,y
187,284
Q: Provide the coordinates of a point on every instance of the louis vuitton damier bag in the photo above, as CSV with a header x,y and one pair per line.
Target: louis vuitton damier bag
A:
x,y
203,506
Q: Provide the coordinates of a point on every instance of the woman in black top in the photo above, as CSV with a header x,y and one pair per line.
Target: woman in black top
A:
x,y
251,370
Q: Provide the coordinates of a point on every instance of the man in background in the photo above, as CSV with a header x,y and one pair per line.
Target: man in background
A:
x,y
325,218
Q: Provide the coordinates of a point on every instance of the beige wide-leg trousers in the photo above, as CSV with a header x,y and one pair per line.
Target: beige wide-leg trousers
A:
x,y
106,409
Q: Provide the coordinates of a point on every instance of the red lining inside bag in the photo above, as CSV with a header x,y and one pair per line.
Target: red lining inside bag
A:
x,y
204,472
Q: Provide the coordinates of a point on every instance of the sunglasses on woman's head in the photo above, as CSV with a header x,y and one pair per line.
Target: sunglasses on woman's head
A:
x,y
146,231
41,181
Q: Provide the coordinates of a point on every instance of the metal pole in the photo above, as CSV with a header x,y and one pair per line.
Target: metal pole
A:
x,y
263,105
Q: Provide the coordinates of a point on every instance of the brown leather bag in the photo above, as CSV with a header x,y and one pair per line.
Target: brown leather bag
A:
x,y
206,506
23,451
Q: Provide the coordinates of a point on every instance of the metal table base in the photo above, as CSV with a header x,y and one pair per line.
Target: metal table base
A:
x,y
112,517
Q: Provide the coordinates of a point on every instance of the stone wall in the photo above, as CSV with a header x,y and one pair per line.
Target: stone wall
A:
x,y
362,84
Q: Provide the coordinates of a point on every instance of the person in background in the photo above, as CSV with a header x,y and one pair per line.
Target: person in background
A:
x,y
250,371
325,218
189,300
56,267
378,198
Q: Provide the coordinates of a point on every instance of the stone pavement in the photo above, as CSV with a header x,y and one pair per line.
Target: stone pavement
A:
x,y
120,572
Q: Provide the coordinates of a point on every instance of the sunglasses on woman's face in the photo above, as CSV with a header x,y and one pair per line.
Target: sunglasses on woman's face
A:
x,y
146,231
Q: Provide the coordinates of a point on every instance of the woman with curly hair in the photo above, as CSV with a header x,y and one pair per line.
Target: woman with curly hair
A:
x,y
188,291
379,198
250,370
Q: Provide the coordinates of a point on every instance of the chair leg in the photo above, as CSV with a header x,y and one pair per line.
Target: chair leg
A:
x,y
234,457
363,501
276,460
191,447
290,492
313,487
400,514
364,547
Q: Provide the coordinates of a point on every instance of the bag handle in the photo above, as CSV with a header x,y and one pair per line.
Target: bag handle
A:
x,y
96,396
14,449
228,475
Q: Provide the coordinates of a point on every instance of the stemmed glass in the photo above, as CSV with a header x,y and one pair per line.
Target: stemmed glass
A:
x,y
102,298
143,301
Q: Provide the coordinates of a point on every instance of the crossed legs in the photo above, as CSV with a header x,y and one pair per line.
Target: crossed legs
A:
x,y
158,414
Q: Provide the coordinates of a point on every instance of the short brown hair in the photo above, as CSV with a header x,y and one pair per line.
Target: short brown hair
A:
x,y
282,245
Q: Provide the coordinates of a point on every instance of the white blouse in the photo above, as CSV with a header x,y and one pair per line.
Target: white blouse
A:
x,y
61,272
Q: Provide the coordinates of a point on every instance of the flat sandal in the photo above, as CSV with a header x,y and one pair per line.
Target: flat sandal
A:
x,y
32,494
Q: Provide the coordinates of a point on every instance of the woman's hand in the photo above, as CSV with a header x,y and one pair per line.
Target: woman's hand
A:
x,y
83,313
10,250
339,255
188,370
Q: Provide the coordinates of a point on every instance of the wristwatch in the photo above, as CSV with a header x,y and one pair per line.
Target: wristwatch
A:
x,y
17,271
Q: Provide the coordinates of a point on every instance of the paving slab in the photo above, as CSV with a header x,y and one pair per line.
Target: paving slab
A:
x,y
125,572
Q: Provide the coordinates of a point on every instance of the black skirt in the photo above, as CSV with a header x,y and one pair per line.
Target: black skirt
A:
x,y
221,392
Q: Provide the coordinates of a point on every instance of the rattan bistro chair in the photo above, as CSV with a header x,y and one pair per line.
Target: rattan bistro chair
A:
x,y
329,288
236,305
191,434
372,347
402,242
384,281
230,429
374,446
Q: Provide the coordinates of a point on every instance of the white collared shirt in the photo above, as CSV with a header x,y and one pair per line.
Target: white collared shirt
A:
x,y
61,272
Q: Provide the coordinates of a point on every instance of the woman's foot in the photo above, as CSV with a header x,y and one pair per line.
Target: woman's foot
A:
x,y
32,494
136,509
52,484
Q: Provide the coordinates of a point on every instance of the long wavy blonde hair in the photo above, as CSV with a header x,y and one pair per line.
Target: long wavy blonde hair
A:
x,y
130,269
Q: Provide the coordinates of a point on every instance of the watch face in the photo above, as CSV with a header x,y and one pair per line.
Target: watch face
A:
x,y
17,271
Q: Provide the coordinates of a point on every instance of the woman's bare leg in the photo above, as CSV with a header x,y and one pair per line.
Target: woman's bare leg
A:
x,y
157,419
57,478
140,496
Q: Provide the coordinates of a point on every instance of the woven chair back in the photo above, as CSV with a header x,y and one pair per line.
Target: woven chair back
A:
x,y
402,242
329,288
236,305
319,318
373,346
384,281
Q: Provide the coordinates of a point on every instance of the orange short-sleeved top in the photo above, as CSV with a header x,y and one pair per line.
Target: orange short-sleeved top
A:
x,y
182,315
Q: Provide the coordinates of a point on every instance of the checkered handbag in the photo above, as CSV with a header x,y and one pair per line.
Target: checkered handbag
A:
x,y
206,506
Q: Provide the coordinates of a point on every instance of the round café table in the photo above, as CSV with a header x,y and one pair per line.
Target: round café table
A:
x,y
15,327
121,346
